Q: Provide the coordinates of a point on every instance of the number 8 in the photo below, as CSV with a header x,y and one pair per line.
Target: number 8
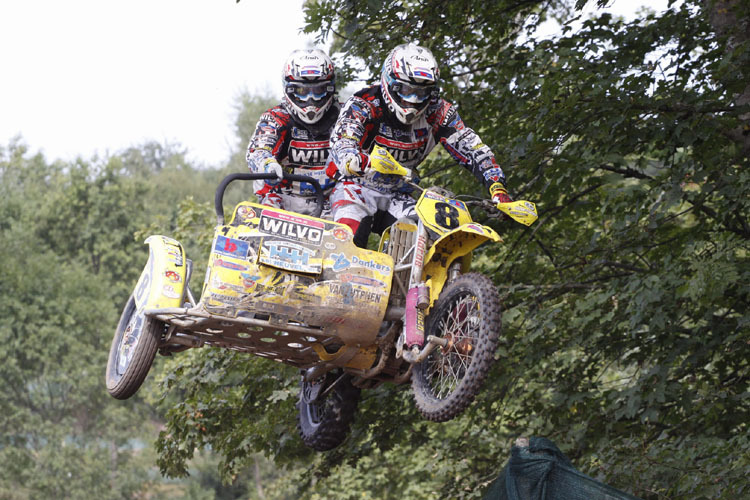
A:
x,y
446,215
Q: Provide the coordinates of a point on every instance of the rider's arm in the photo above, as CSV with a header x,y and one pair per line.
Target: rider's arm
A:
x,y
465,146
267,144
350,131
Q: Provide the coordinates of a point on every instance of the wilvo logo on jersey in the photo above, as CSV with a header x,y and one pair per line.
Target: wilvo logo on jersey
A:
x,y
309,153
403,152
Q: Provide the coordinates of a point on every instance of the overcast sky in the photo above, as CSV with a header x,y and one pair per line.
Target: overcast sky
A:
x,y
85,77
94,76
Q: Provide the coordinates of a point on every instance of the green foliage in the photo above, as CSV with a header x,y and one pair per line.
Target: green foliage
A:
x,y
248,109
63,437
626,320
626,304
71,245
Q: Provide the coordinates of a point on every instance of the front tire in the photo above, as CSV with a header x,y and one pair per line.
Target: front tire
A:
x,y
133,349
324,420
467,316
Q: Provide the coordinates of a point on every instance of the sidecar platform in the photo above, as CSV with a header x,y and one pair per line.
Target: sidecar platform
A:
x,y
284,341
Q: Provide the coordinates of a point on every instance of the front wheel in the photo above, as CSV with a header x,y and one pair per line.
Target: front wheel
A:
x,y
132,353
467,317
326,409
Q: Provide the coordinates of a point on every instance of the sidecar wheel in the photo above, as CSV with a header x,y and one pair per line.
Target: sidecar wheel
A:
x,y
467,315
323,424
132,353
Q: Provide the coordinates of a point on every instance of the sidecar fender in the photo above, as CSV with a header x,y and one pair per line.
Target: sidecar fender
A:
x,y
458,243
162,282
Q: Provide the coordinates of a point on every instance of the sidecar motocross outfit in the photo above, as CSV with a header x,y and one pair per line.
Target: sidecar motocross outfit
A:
x,y
300,148
372,201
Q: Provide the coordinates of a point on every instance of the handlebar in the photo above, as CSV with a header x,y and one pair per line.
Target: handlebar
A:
x,y
219,197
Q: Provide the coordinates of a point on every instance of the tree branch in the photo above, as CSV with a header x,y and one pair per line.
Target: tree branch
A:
x,y
626,172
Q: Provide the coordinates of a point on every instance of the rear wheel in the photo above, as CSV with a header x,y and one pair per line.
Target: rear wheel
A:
x,y
132,353
325,415
467,317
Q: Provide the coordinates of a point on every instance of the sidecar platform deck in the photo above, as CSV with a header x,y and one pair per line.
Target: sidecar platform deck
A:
x,y
262,335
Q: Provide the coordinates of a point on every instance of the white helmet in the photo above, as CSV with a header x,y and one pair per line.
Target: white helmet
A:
x,y
409,81
309,84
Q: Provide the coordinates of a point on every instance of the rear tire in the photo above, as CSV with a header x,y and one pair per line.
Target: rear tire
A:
x,y
133,349
467,315
323,422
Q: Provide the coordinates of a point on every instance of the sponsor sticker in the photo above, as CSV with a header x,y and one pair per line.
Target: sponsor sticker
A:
x,y
350,294
299,133
361,280
291,227
229,265
174,255
341,234
249,280
231,247
340,262
290,256
173,276
225,299
457,203
476,227
246,213
169,291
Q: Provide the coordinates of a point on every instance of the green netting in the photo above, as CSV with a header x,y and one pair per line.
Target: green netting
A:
x,y
540,471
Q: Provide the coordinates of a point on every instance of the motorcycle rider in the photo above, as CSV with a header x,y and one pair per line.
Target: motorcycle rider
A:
x,y
294,136
404,114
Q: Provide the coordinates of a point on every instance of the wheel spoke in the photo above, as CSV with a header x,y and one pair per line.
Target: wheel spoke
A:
x,y
129,342
449,365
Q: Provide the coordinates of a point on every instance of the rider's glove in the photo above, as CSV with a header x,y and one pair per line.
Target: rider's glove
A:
x,y
353,163
271,166
499,194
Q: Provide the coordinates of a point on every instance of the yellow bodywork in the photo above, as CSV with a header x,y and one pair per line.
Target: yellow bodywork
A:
x,y
520,211
383,162
458,243
300,270
162,282
458,236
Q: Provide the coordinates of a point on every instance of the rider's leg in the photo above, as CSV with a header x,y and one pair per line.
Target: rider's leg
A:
x,y
305,204
267,195
402,205
354,205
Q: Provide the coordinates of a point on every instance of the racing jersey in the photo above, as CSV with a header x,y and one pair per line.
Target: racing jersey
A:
x,y
300,148
363,124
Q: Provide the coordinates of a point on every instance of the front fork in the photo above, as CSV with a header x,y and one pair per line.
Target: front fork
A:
x,y
417,300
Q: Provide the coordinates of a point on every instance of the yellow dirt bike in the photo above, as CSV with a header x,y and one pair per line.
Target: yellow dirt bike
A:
x,y
295,289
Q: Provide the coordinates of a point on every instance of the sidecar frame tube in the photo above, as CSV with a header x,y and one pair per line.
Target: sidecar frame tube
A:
x,y
196,316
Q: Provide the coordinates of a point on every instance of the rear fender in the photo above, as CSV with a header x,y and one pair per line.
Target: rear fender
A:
x,y
162,282
458,243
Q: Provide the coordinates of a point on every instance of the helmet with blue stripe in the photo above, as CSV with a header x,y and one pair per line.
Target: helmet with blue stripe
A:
x,y
409,81
309,84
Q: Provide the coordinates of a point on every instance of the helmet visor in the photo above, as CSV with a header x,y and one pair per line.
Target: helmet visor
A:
x,y
303,92
414,94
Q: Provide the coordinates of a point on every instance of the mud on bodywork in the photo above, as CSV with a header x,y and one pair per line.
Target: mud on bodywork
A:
x,y
299,269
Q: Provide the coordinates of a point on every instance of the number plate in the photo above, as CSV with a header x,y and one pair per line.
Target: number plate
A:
x,y
442,214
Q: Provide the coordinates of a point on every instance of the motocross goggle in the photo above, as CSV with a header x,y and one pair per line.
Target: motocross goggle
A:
x,y
304,92
414,94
